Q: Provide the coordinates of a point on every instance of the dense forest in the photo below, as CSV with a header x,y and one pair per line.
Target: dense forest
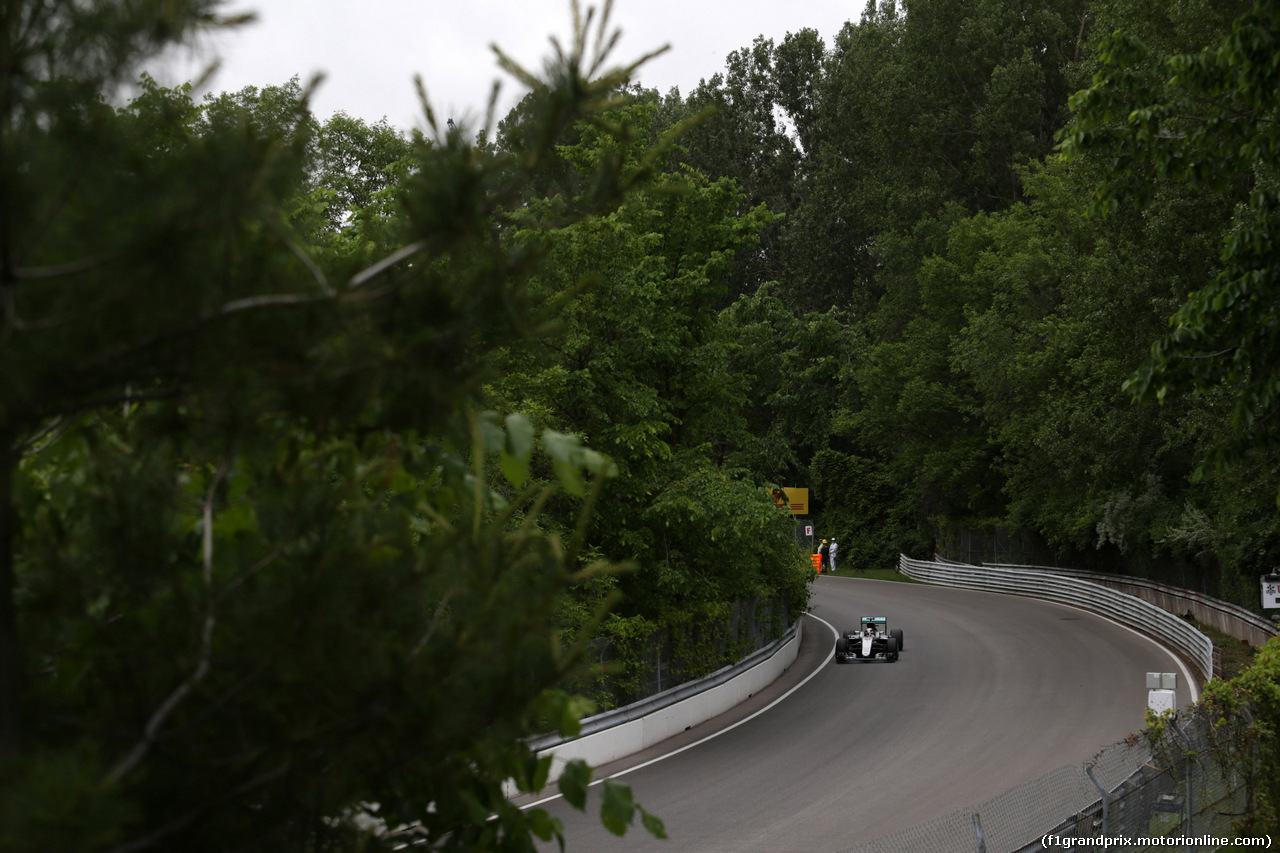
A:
x,y
989,277
328,451
1013,298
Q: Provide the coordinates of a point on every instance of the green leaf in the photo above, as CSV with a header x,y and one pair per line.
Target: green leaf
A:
x,y
514,468
401,481
491,434
653,823
618,807
570,478
563,449
541,773
574,782
476,811
238,518
519,436
560,446
544,826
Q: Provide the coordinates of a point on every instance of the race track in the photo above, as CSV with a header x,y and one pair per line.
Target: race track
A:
x,y
991,690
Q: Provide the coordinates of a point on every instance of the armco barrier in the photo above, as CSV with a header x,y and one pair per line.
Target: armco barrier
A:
x,y
625,731
1123,608
1231,619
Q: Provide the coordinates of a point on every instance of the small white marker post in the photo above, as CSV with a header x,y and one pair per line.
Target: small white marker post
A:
x,y
1162,691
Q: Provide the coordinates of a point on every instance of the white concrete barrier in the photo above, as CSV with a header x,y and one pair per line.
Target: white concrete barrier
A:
x,y
625,731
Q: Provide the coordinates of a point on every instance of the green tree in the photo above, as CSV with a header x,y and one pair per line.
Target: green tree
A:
x,y
273,112
743,137
1241,717
914,112
1207,119
795,369
1071,309
356,162
642,367
255,577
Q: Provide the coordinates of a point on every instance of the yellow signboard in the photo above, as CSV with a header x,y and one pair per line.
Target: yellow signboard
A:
x,y
796,500
799,501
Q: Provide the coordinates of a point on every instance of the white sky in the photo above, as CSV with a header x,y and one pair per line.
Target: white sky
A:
x,y
370,50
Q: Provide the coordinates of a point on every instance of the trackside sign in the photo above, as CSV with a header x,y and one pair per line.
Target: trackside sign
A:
x,y
796,500
1271,591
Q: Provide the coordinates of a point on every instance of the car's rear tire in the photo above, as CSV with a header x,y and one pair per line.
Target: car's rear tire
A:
x,y
891,649
896,633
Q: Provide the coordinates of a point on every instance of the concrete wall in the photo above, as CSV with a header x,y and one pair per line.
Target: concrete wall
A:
x,y
626,731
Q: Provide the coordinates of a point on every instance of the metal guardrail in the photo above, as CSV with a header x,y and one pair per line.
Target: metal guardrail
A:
x,y
1122,607
1231,619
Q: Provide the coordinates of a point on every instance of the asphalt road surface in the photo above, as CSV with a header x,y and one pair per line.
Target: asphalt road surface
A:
x,y
990,691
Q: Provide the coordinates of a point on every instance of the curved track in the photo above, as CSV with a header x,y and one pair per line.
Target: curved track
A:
x,y
990,691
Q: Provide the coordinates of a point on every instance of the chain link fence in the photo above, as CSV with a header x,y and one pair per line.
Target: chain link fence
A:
x,y
1174,796
671,656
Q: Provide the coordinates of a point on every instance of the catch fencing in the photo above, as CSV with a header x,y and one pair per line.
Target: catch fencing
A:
x,y
1129,796
676,654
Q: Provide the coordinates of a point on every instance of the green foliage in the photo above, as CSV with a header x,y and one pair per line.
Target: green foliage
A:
x,y
357,162
720,538
794,369
631,638
992,325
1206,119
307,611
275,113
915,112
1243,716
617,809
1259,687
641,367
745,139
640,656
254,529
258,582
862,506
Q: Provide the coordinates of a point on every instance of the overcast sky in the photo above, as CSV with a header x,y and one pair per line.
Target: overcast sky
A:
x,y
370,50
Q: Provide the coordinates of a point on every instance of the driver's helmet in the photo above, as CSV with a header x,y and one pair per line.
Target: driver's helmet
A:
x,y
871,631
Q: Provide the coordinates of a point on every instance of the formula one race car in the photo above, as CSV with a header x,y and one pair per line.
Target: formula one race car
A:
x,y
873,642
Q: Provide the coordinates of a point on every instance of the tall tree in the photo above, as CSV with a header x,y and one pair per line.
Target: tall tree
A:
x,y
744,138
254,579
356,161
641,367
923,105
1208,119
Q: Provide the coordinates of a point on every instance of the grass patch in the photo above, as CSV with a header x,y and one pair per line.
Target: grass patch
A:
x,y
1231,656
875,574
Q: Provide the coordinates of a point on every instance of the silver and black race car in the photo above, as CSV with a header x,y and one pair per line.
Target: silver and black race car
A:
x,y
873,642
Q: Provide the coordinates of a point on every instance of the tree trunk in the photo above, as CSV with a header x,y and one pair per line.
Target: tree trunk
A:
x,y
10,660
